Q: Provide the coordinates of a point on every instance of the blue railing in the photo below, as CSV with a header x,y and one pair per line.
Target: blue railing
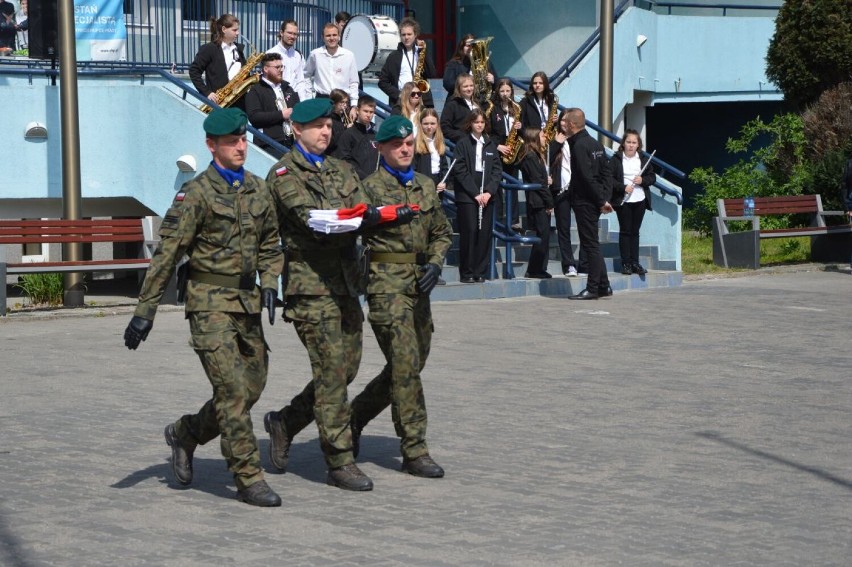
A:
x,y
667,7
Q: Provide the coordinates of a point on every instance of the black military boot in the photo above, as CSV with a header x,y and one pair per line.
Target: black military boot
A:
x,y
181,456
422,466
279,441
356,438
349,477
259,494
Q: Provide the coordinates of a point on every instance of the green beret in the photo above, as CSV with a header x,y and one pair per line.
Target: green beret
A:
x,y
394,127
224,121
311,109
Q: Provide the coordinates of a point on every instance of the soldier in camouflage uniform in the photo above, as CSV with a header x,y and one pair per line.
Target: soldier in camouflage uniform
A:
x,y
223,221
405,263
321,289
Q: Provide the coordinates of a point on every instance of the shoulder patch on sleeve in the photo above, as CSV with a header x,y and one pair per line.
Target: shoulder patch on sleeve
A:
x,y
281,171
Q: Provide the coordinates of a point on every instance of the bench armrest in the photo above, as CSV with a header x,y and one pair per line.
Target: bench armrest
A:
x,y
831,213
755,220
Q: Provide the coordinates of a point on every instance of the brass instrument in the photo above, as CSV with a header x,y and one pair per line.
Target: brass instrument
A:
x,y
479,55
419,80
550,128
240,84
345,118
513,140
286,126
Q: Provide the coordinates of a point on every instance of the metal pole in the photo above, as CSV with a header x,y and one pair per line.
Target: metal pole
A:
x,y
72,203
607,26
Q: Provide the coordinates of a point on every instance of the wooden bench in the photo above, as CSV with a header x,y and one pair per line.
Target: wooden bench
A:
x,y
55,231
742,249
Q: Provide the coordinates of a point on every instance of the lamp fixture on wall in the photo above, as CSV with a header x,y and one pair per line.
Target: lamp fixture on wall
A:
x,y
640,40
186,163
35,131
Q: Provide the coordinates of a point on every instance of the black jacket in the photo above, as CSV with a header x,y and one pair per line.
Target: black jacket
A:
x,y
464,181
337,130
498,124
389,76
591,175
423,164
530,116
535,172
210,61
263,113
648,179
452,118
358,147
454,68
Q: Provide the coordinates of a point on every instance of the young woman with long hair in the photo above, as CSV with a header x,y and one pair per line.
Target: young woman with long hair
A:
x,y
533,161
560,172
410,104
537,102
457,108
219,61
633,192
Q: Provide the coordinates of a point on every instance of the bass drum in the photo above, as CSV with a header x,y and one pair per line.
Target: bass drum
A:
x,y
371,39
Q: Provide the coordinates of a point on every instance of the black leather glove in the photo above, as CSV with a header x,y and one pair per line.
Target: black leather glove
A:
x,y
371,217
136,332
405,214
427,280
268,296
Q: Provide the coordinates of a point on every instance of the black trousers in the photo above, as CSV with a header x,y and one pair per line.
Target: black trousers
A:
x,y
587,215
562,211
629,220
539,222
474,243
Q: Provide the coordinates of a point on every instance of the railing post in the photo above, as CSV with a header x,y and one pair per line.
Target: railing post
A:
x,y
508,270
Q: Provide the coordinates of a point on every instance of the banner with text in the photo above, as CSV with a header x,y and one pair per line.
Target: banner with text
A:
x,y
100,30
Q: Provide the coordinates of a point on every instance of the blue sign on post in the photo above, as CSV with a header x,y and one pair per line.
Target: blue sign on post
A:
x,y
100,30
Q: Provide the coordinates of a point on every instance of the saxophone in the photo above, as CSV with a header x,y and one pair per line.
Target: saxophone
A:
x,y
550,128
479,69
240,84
513,140
419,80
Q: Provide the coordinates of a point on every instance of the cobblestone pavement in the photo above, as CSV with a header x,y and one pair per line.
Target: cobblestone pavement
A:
x,y
703,425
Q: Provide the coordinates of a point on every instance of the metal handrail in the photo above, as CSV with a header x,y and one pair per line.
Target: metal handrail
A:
x,y
723,7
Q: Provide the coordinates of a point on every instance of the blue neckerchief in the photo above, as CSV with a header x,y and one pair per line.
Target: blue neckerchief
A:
x,y
313,158
234,179
402,176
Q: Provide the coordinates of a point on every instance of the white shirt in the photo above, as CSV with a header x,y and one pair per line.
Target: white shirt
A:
x,y
294,69
414,122
565,174
231,60
407,67
480,145
632,166
436,157
329,72
543,111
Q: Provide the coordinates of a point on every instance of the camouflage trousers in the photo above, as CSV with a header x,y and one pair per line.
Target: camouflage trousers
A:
x,y
331,329
403,328
235,357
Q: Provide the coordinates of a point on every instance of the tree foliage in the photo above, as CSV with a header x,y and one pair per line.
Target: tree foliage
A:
x,y
811,50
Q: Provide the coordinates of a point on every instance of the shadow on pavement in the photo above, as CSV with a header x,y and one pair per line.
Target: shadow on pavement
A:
x,y
219,483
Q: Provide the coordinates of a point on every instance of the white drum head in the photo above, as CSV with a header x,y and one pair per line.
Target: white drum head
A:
x,y
370,39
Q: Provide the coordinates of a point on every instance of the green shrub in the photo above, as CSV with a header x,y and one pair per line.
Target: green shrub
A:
x,y
42,289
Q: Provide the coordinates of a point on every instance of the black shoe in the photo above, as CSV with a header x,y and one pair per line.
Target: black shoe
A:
x,y
468,280
181,456
422,466
259,494
605,291
638,269
349,477
441,281
356,438
279,441
626,269
585,294
480,279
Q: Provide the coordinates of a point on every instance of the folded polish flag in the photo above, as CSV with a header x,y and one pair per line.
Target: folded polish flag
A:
x,y
347,220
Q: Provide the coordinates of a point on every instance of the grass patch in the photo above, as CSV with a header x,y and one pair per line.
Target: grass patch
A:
x,y
42,289
697,253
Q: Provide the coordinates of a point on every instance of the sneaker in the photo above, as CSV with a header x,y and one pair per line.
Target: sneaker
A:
x,y
571,273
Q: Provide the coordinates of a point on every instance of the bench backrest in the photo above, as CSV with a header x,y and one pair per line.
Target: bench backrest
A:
x,y
772,205
61,231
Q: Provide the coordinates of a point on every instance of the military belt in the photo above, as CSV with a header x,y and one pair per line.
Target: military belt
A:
x,y
244,282
398,257
307,255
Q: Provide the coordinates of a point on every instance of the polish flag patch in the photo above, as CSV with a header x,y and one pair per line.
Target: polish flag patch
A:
x,y
179,197
281,171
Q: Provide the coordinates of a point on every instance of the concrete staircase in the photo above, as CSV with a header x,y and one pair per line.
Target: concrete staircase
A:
x,y
661,273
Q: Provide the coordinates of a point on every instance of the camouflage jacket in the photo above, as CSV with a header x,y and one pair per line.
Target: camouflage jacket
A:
x,y
429,232
226,231
318,263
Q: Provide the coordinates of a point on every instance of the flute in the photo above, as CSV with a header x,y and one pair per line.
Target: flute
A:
x,y
444,179
481,191
641,171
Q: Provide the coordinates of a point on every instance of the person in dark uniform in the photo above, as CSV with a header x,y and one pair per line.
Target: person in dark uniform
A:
x,y
534,166
270,103
340,119
591,189
401,66
219,61
477,176
457,109
357,145
537,104
459,64
321,288
504,119
222,219
405,264
560,172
